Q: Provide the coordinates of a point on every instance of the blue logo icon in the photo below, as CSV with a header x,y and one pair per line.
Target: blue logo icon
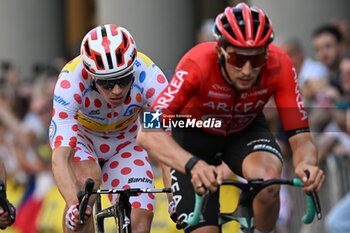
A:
x,y
151,120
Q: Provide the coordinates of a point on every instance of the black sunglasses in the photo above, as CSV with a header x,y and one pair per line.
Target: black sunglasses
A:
x,y
109,84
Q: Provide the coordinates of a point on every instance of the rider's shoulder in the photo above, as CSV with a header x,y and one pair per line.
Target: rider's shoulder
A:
x,y
73,66
202,51
143,60
144,66
74,73
276,53
277,58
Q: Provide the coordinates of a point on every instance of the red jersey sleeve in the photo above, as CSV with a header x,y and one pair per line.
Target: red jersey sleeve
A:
x,y
288,99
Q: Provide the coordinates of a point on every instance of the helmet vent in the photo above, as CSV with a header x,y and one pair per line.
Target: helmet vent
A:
x,y
228,27
125,40
103,31
109,59
87,48
119,56
99,62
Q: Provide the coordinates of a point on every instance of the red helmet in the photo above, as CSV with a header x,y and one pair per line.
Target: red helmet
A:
x,y
108,51
243,26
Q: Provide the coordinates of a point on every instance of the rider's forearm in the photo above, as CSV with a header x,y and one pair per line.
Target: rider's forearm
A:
x,y
304,150
166,179
63,172
164,148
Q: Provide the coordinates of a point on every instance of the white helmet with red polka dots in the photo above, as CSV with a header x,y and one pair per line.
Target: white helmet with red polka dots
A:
x,y
108,51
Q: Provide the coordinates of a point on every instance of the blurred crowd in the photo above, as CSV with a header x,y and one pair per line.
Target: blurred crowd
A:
x,y
324,84
26,109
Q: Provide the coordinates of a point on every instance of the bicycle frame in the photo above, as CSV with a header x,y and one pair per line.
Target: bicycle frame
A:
x,y
121,210
244,213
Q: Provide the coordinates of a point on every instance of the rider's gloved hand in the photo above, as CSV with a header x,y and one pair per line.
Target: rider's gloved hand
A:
x,y
5,219
72,216
172,211
173,215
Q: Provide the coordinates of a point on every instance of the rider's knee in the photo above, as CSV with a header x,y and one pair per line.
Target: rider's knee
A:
x,y
85,170
140,228
271,193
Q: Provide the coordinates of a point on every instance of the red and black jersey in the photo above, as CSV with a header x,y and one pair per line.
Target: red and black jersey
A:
x,y
198,91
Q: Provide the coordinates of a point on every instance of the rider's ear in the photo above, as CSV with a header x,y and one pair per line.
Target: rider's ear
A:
x,y
221,57
218,50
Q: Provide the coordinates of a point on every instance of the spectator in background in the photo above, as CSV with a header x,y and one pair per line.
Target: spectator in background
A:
x,y
344,28
205,31
336,139
338,219
312,75
329,47
24,118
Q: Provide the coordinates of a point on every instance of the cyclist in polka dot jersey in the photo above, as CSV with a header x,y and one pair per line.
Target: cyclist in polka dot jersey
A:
x,y
97,102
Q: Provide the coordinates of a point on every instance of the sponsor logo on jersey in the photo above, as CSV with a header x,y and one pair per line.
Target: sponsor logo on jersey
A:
x,y
298,97
265,147
143,179
218,106
218,87
255,93
137,63
90,123
95,112
249,106
60,100
52,130
219,95
239,107
173,88
131,109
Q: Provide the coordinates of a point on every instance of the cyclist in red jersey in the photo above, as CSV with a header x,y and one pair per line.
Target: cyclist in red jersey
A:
x,y
226,84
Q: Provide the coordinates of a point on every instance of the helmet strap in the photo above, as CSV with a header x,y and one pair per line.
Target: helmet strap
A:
x,y
93,85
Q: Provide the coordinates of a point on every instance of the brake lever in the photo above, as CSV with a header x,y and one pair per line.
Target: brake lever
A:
x,y
315,199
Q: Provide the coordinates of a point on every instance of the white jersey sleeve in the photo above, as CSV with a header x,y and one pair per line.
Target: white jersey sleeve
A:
x,y
66,104
152,79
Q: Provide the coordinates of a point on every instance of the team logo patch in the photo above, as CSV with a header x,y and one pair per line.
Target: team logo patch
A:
x,y
53,129
132,109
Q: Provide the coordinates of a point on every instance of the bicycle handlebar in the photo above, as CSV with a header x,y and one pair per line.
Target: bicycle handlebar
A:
x,y
312,199
131,191
313,204
5,204
84,195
